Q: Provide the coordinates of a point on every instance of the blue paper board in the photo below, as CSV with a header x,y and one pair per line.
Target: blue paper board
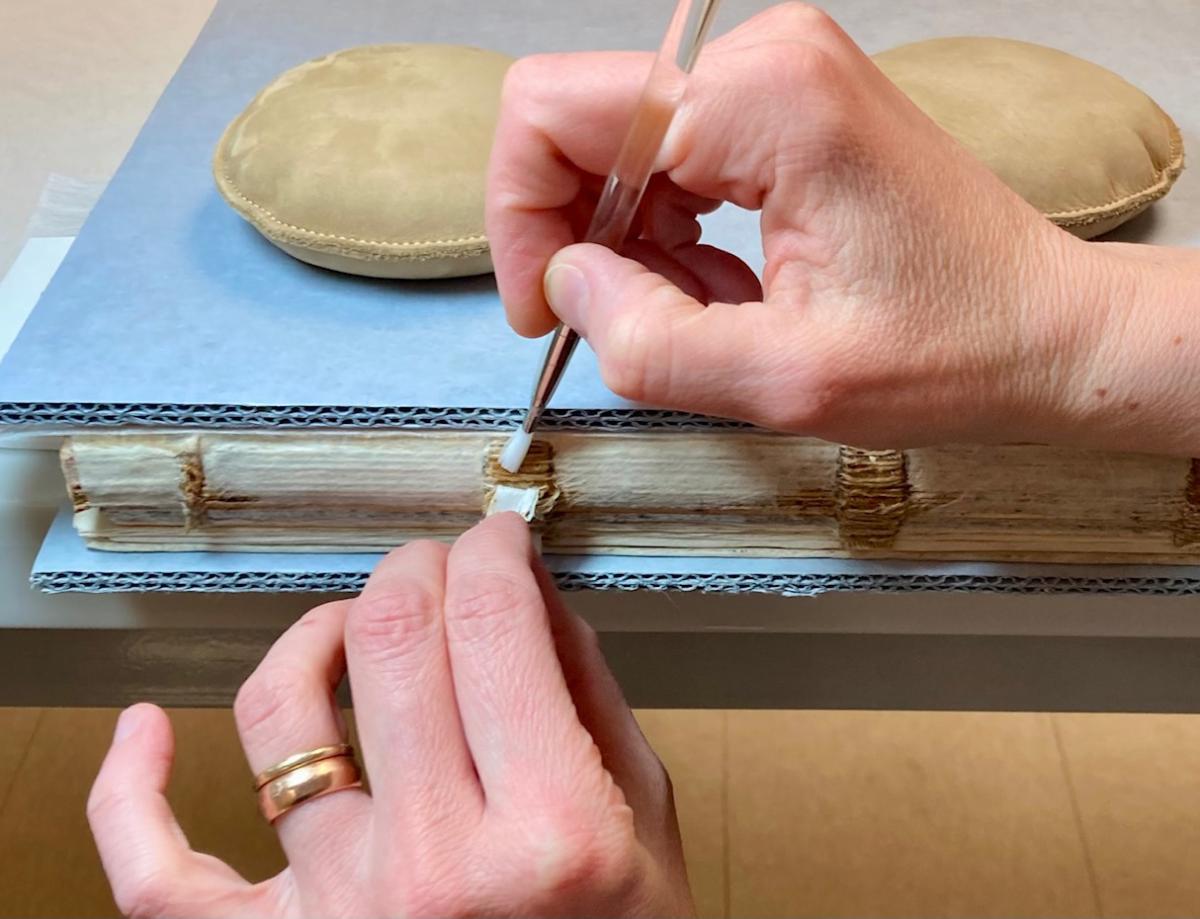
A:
x,y
171,307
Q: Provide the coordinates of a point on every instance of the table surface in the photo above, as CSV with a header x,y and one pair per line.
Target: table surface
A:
x,y
69,71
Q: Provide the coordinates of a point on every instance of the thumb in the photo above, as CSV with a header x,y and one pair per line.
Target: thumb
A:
x,y
150,866
655,343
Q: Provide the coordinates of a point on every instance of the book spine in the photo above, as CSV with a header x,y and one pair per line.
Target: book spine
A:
x,y
730,492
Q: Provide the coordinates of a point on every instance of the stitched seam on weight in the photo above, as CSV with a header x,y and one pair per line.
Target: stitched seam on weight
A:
x,y
1162,181
228,181
1091,214
350,239
266,213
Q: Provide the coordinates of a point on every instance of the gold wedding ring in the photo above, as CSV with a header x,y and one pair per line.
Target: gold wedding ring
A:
x,y
305,776
301,759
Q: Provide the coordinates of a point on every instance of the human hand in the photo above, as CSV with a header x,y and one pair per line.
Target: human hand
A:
x,y
908,296
508,776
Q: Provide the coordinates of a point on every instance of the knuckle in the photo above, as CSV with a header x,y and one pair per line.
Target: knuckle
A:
x,y
625,377
821,85
526,80
317,613
102,805
615,870
485,603
574,855
521,77
803,20
385,622
266,697
627,363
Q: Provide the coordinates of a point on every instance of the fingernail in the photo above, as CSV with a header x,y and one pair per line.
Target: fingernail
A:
x,y
566,291
127,723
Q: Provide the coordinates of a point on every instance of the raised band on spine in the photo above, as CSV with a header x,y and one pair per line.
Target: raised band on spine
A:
x,y
872,497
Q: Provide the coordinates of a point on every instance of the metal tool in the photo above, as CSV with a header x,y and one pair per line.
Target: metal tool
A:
x,y
627,182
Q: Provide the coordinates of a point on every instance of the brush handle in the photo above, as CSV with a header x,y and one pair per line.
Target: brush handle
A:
x,y
623,190
558,353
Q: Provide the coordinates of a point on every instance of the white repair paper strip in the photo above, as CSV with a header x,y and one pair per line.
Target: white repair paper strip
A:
x,y
509,498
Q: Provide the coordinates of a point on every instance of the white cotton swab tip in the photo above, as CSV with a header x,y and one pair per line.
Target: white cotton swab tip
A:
x,y
513,454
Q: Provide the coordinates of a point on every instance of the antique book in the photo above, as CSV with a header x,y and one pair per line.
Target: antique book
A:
x,y
714,493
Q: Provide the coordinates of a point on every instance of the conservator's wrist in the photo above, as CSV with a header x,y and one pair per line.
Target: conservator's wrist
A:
x,y
1137,386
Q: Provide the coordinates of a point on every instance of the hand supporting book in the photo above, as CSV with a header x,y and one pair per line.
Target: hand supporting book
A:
x,y
508,775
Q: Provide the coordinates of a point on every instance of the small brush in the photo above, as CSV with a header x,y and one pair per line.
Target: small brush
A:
x,y
624,188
